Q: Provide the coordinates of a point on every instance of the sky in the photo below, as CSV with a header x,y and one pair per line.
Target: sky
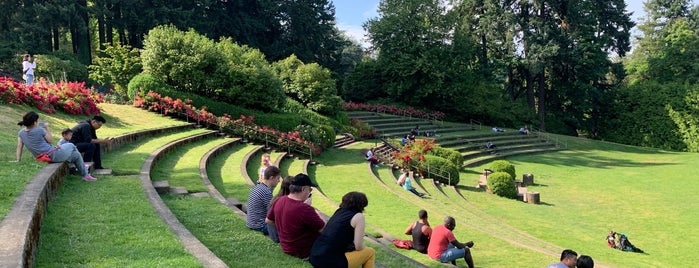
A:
x,y
351,14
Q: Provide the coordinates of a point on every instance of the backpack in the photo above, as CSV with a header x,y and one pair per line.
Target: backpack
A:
x,y
404,244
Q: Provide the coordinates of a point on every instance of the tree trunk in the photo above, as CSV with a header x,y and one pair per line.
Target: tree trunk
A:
x,y
542,99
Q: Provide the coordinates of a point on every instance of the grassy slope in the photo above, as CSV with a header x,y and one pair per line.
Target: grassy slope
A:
x,y
595,187
15,176
586,190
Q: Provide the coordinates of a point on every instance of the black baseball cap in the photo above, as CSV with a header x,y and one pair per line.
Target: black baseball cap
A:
x,y
302,180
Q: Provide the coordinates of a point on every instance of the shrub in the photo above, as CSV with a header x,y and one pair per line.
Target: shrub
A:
x,y
281,122
310,84
365,131
142,83
500,183
439,169
59,67
184,60
323,135
295,107
452,155
503,166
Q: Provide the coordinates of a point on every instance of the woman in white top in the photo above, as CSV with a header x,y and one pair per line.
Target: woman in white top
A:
x,y
28,69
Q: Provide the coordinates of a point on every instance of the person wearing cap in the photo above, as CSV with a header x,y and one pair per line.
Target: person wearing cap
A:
x,y
85,138
297,223
259,199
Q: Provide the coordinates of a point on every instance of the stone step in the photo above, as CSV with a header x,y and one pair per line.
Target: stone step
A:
x,y
162,187
235,202
179,190
106,171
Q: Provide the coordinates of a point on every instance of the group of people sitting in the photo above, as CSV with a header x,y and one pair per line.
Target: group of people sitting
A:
x,y
82,138
439,244
290,220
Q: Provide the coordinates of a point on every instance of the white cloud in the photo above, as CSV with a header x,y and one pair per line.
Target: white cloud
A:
x,y
356,33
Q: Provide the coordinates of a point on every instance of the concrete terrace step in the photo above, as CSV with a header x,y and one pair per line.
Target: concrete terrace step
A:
x,y
479,141
479,146
505,150
487,158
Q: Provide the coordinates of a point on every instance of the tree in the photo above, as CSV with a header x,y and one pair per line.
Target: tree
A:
x,y
423,59
310,84
116,68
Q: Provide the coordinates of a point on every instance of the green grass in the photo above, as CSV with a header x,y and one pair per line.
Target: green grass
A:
x,y
585,191
225,234
344,170
224,172
17,175
595,187
181,166
128,159
107,223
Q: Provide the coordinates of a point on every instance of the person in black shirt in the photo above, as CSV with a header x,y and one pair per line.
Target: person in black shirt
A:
x,y
85,139
341,243
421,231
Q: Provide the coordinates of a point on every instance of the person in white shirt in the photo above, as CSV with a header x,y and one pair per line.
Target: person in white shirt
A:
x,y
28,69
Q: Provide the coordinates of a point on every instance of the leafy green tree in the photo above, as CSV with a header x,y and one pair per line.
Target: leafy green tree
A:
x,y
116,68
364,83
426,61
246,77
308,31
310,84
223,70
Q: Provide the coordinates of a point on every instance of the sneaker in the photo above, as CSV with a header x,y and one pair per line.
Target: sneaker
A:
x,y
89,178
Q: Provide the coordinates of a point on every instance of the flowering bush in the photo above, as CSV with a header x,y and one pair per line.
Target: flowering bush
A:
x,y
381,108
413,152
70,97
242,127
364,130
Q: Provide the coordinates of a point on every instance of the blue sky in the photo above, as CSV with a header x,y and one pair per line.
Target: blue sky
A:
x,y
351,14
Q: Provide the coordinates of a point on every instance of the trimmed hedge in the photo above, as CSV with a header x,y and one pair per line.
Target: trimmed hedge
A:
x,y
449,154
439,169
144,82
500,183
503,166
294,107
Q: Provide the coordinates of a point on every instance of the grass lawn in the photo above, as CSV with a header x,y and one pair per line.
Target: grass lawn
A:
x,y
107,223
181,166
16,176
224,172
597,186
587,190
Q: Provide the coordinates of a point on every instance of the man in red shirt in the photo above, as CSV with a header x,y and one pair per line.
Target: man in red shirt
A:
x,y
445,248
297,223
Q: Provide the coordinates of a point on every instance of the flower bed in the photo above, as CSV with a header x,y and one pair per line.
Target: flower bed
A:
x,y
70,97
391,109
244,126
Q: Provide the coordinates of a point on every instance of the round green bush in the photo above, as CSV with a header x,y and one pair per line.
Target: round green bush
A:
x,y
500,183
450,154
503,166
144,82
439,169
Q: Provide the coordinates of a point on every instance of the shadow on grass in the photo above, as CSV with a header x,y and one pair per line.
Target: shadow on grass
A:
x,y
587,159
